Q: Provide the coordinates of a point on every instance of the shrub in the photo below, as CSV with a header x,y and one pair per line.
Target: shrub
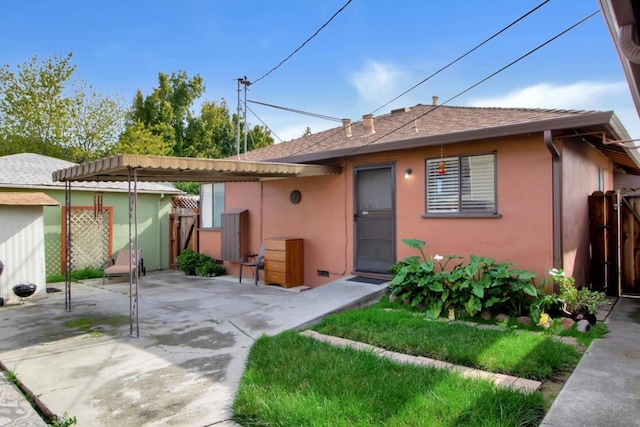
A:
x,y
480,284
209,267
195,264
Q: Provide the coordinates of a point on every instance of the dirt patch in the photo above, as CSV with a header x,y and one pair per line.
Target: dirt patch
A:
x,y
551,389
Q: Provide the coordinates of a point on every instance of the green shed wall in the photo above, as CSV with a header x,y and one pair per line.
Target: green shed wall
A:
x,y
153,225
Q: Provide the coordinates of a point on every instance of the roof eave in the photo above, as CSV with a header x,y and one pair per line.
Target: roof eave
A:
x,y
631,70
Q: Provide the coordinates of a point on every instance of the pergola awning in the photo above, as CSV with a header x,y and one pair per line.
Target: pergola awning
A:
x,y
175,169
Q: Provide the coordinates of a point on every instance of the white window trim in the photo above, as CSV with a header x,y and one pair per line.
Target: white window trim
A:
x,y
210,211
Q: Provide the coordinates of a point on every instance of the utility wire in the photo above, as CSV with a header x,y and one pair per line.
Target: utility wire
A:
x,y
262,121
306,113
477,83
305,42
438,71
463,55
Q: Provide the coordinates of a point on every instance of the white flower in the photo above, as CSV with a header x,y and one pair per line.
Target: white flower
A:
x,y
438,257
557,272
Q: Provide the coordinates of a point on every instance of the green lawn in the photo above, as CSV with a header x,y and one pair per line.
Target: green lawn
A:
x,y
291,380
507,350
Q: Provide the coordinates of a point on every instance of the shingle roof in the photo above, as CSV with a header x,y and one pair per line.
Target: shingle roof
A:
x,y
27,199
421,122
30,170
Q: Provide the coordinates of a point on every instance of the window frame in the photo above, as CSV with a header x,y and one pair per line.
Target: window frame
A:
x,y
214,212
462,213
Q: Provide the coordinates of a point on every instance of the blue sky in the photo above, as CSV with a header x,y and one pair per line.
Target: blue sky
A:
x,y
371,52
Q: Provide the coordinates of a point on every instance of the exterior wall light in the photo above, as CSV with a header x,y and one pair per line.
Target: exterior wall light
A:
x,y
407,173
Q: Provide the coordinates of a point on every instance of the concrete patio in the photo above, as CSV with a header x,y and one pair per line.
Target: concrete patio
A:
x,y
195,334
184,369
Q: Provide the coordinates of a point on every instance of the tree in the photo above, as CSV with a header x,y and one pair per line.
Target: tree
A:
x,y
211,134
97,121
166,114
44,111
35,112
169,106
257,137
140,139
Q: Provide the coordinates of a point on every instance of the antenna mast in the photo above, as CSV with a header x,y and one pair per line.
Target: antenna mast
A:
x,y
246,83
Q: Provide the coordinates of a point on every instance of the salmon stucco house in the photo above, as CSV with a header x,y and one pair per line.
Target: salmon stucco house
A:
x,y
508,183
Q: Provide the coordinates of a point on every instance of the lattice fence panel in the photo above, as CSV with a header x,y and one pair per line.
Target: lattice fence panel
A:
x,y
185,202
52,254
90,237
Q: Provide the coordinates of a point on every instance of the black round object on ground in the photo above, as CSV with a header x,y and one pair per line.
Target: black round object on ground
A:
x,y
24,290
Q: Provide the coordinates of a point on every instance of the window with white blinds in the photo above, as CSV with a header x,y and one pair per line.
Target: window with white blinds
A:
x,y
464,184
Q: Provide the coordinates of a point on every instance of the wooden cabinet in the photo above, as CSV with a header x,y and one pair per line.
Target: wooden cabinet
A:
x,y
283,262
235,234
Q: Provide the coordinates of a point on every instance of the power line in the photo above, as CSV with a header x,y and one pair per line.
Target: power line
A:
x,y
306,113
437,72
261,121
305,42
477,83
463,55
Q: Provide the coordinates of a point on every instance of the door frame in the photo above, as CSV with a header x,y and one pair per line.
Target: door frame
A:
x,y
392,167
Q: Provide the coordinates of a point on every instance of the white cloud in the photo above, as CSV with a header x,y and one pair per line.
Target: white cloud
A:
x,y
583,95
378,82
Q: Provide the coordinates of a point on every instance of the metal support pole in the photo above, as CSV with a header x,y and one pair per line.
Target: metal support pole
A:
x,y
67,237
238,121
137,266
134,262
246,126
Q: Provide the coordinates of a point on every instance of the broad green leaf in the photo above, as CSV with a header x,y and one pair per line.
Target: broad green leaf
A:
x,y
478,289
473,306
414,243
436,286
434,308
529,289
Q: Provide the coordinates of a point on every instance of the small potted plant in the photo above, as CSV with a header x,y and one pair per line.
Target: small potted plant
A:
x,y
579,303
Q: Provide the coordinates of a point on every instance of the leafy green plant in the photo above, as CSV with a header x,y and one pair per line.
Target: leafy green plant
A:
x,y
64,421
545,304
196,264
188,261
581,300
209,267
417,281
480,284
12,377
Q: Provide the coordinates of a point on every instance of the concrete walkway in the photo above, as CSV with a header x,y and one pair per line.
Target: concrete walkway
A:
x,y
604,389
15,410
184,369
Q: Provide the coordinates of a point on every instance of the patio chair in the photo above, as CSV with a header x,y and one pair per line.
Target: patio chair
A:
x,y
120,266
253,260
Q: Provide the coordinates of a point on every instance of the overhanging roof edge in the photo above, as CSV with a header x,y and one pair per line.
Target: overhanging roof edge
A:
x,y
116,168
